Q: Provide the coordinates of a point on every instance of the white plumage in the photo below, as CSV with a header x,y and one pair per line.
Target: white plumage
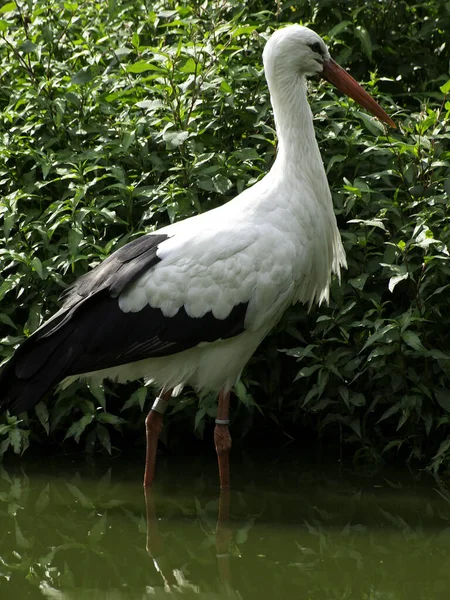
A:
x,y
275,244
267,247
190,303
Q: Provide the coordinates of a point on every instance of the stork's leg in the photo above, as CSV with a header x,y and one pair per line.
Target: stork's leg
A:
x,y
153,426
222,439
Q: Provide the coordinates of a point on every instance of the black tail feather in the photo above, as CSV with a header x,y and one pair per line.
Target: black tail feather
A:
x,y
90,310
40,363
32,372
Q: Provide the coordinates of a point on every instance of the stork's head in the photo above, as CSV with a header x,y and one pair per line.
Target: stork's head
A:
x,y
296,51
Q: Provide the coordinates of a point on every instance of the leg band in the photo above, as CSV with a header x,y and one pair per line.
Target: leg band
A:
x,y
160,405
222,421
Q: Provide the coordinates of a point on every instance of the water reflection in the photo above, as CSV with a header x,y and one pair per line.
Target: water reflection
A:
x,y
311,535
174,579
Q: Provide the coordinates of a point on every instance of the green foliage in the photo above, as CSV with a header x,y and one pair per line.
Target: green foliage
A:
x,y
117,118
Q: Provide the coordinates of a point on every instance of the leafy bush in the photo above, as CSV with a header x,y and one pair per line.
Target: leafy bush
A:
x,y
118,118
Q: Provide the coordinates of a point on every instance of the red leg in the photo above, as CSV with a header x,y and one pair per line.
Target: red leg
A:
x,y
153,426
222,440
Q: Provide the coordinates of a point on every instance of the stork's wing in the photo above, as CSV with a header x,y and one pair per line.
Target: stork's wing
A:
x,y
92,331
109,337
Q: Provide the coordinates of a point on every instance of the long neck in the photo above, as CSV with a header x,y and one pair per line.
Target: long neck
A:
x,y
299,162
297,146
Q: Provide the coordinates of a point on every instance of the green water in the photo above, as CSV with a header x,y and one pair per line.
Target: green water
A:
x,y
81,530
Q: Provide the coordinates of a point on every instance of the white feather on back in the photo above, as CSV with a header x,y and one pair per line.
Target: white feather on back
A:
x,y
267,249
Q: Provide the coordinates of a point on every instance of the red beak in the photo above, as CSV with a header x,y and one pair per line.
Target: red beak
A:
x,y
336,75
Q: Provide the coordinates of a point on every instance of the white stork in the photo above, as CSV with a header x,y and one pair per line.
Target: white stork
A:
x,y
190,303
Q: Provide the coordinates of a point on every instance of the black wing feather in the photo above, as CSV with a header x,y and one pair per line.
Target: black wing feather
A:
x,y
91,332
127,337
119,269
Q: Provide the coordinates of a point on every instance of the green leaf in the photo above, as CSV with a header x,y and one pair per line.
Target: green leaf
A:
x,y
16,440
242,30
359,282
98,392
412,340
74,238
104,437
393,281
445,89
4,445
371,123
244,396
4,429
110,419
392,410
143,66
366,43
308,371
445,445
7,321
9,284
77,428
438,354
34,319
28,46
37,266
135,40
150,105
175,138
370,223
357,399
339,28
381,351
199,416
8,7
442,396
42,415
190,66
336,158
225,87
222,184
356,426
137,398
378,335
83,76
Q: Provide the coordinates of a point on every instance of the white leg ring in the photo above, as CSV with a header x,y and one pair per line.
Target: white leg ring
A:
x,y
160,405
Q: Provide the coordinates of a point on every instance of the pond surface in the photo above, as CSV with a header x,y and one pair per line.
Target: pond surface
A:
x,y
73,530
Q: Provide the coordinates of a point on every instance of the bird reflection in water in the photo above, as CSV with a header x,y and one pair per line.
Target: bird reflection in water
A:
x,y
175,581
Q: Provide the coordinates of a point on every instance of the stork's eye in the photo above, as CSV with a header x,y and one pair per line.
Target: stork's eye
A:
x,y
316,48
